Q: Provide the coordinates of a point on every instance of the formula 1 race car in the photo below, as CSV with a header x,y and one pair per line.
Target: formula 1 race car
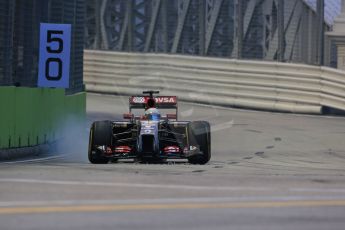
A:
x,y
150,137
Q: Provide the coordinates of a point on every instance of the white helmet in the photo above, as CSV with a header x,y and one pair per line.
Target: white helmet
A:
x,y
153,114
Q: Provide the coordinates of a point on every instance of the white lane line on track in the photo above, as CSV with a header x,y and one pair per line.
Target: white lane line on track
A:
x,y
124,97
134,185
332,190
267,112
168,200
169,186
34,160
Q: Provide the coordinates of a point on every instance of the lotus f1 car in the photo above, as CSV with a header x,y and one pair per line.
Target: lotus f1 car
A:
x,y
150,137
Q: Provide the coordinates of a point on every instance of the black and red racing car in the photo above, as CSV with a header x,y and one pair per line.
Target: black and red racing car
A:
x,y
151,136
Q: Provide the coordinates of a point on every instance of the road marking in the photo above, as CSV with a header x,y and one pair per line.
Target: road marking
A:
x,y
124,100
166,200
134,185
332,190
35,159
141,207
321,116
168,186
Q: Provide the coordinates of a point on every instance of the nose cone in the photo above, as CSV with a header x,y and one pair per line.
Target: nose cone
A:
x,y
148,143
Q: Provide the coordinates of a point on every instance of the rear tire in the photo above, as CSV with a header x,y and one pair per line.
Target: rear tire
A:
x,y
100,134
200,134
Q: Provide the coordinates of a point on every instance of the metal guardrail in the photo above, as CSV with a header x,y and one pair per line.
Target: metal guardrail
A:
x,y
263,85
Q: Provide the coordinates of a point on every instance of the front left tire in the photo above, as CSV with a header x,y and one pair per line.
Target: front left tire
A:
x,y
100,135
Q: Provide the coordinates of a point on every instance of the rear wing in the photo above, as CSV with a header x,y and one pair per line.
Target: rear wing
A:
x,y
145,102
162,102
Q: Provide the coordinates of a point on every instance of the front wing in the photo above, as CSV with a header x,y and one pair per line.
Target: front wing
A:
x,y
174,140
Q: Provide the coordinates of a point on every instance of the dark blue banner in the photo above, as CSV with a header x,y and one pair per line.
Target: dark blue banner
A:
x,y
54,56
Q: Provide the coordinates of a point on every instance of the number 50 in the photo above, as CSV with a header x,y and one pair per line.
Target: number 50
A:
x,y
54,50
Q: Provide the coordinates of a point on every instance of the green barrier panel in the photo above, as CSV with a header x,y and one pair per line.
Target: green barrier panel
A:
x,y
7,98
22,117
33,116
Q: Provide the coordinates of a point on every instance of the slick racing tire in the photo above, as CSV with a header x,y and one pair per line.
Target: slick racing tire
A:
x,y
100,134
200,134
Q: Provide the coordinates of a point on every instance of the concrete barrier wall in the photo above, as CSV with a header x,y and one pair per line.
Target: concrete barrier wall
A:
x,y
33,116
249,84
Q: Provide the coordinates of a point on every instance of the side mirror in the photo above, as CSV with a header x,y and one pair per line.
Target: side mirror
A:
x,y
127,115
171,116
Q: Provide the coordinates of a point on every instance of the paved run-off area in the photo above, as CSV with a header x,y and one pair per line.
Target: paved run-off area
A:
x,y
268,171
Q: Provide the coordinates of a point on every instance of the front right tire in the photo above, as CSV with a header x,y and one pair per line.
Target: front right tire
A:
x,y
200,134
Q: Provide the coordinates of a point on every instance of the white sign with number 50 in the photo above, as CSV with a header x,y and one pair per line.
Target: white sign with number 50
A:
x,y
54,55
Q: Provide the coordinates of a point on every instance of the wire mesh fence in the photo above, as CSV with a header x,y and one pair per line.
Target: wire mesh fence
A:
x,y
280,30
19,39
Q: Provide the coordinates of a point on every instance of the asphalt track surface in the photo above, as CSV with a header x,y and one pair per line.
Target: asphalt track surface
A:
x,y
268,171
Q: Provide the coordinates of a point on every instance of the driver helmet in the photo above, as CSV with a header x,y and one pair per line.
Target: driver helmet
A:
x,y
153,114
